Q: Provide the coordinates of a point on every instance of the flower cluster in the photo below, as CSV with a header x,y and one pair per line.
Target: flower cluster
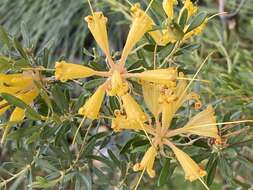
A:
x,y
164,90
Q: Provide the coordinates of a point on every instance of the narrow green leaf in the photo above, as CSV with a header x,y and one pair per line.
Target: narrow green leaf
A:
x,y
59,98
183,18
114,158
164,173
91,84
104,160
245,161
13,100
4,37
197,21
20,49
211,172
30,112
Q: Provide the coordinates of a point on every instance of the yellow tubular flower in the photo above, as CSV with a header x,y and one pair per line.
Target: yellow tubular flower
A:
x,y
157,35
118,86
160,76
191,168
120,122
97,25
172,102
140,25
91,108
133,109
203,124
168,6
68,71
147,162
191,8
151,93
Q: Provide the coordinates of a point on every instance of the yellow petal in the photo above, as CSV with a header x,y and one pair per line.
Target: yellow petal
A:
x,y
191,8
4,106
160,76
140,25
97,25
8,77
68,71
91,108
151,93
120,122
147,162
183,95
191,168
17,115
133,109
168,6
203,124
167,114
28,97
14,83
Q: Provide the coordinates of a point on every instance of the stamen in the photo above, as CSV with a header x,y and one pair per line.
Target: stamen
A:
x,y
91,9
149,5
139,180
80,125
201,180
37,69
200,67
224,123
201,80
143,128
129,2
217,14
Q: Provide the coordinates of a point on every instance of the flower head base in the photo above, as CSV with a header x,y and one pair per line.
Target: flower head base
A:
x,y
118,86
91,108
168,6
140,25
68,71
97,25
191,169
147,162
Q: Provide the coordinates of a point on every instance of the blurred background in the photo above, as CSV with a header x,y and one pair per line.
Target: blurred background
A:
x,y
57,28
